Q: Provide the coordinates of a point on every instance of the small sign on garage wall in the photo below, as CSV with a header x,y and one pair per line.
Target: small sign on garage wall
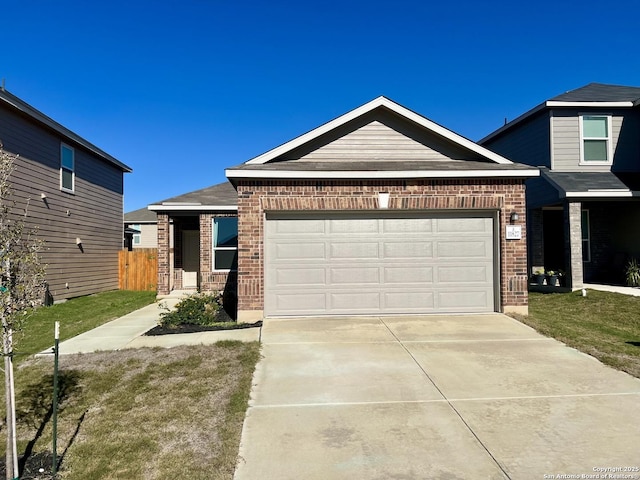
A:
x,y
514,232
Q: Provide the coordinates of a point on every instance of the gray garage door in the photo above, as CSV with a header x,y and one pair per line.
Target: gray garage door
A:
x,y
368,265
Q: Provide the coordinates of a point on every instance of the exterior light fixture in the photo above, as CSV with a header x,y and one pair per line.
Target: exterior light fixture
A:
x,y
514,217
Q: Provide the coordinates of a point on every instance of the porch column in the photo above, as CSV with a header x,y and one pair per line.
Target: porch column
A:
x,y
573,243
164,263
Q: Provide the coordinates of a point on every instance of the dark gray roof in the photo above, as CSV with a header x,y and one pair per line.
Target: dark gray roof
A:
x,y
222,194
21,106
381,166
594,181
600,92
142,215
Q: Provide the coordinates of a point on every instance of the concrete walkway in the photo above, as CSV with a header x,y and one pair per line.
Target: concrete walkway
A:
x,y
616,289
127,332
475,396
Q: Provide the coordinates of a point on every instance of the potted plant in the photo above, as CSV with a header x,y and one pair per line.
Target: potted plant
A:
x,y
538,276
552,278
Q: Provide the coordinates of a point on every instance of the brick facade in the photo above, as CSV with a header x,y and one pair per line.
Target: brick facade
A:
x,y
255,197
170,259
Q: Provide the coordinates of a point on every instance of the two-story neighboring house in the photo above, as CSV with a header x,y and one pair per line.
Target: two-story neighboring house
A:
x,y
584,209
73,192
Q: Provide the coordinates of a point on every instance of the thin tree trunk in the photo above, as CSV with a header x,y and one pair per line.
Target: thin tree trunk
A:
x,y
11,462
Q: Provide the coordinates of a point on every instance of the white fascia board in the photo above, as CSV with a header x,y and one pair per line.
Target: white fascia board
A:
x,y
377,174
590,104
603,194
367,107
191,208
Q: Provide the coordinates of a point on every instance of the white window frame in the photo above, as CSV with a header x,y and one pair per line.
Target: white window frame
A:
x,y
136,238
587,258
72,169
608,139
214,248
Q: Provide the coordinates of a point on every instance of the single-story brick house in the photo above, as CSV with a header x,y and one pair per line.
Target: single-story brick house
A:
x,y
379,211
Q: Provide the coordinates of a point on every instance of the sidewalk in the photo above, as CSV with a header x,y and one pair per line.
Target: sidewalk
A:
x,y
614,288
127,332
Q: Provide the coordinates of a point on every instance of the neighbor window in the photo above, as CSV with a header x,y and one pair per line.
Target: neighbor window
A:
x,y
67,164
586,240
225,243
137,237
596,138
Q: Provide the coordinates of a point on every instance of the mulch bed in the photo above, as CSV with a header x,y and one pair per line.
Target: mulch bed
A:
x,y
221,316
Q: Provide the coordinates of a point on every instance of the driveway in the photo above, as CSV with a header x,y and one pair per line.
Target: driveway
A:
x,y
468,397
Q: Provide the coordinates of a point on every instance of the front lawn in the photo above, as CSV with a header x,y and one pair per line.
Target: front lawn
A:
x,y
138,413
76,316
603,324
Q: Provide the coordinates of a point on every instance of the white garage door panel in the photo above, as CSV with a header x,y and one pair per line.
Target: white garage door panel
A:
x,y
349,265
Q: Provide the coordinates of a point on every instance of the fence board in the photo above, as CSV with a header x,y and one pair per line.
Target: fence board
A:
x,y
138,269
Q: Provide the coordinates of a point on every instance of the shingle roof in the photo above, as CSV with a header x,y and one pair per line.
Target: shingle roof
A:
x,y
222,194
21,106
591,182
600,92
142,215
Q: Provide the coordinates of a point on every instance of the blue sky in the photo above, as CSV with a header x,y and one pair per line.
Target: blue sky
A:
x,y
181,90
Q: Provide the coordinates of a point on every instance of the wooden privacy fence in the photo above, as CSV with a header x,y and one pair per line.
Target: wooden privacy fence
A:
x,y
138,269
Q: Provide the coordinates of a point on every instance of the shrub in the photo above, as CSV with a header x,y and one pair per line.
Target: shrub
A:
x,y
198,309
632,273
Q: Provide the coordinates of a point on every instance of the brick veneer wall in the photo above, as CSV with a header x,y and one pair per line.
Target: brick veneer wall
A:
x,y
256,197
164,260
211,280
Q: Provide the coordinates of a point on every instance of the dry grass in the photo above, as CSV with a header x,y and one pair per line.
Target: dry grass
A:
x,y
141,414
602,324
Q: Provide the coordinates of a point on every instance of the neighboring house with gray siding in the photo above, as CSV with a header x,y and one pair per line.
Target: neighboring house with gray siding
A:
x,y
584,209
145,223
74,193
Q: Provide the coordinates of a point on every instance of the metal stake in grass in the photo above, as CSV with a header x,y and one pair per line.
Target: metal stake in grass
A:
x,y
54,464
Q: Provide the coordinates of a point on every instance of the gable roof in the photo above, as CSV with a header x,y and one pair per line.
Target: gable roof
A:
x,y
222,196
275,164
593,95
142,215
41,119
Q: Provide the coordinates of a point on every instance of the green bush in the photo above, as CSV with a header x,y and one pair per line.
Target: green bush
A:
x,y
198,309
632,273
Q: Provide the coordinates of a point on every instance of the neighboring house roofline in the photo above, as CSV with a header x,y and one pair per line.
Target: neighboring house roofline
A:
x,y
366,108
379,174
630,100
187,208
26,109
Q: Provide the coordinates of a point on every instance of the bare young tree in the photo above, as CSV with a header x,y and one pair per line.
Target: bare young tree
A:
x,y
22,288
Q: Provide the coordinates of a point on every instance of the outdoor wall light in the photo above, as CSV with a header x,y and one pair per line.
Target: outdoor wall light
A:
x,y
383,200
514,217
43,196
78,241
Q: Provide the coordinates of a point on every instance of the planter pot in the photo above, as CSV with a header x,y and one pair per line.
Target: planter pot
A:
x,y
537,279
552,280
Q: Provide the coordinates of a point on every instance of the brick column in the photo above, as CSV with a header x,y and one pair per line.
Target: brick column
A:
x,y
164,263
573,243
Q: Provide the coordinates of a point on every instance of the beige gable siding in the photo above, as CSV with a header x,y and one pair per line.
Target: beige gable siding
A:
x,y
148,236
566,140
526,143
380,136
93,213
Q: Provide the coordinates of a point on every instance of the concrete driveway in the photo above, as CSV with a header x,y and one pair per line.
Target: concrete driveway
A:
x,y
451,397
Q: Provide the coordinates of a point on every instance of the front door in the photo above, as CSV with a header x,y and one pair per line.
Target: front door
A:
x,y
190,259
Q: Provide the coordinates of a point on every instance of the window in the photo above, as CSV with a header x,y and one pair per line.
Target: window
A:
x,y
596,139
137,237
67,175
586,240
225,243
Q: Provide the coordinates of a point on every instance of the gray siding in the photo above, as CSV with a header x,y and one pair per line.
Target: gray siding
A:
x,y
528,142
566,141
380,135
93,213
148,235
540,193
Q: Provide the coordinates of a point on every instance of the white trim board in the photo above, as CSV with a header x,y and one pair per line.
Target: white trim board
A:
x,y
377,174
